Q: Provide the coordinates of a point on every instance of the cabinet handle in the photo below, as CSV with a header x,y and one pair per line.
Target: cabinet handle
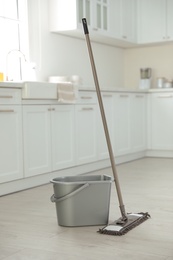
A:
x,y
87,108
6,110
165,96
124,95
86,97
139,96
124,37
107,95
6,96
51,109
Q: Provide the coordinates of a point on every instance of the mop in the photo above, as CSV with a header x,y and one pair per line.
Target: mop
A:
x,y
127,221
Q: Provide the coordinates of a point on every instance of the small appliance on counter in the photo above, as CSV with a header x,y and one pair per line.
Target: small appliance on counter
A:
x,y
145,78
164,83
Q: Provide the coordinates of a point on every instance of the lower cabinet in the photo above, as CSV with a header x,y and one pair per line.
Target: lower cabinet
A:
x,y
48,138
86,133
37,136
139,122
11,152
122,124
109,103
130,123
63,137
161,121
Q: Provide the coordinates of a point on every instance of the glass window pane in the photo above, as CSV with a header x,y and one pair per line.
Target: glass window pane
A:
x,y
88,15
80,10
10,9
105,26
11,43
99,16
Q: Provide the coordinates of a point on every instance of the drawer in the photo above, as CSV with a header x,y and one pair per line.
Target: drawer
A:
x,y
87,97
10,96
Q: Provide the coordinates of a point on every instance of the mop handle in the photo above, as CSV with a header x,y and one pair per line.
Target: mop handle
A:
x,y
122,208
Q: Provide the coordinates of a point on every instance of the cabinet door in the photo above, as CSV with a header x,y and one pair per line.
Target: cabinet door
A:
x,y
86,133
11,148
138,124
169,20
122,124
162,121
128,20
37,139
102,14
63,136
152,20
85,10
108,102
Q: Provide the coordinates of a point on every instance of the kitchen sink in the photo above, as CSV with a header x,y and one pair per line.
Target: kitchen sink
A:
x,y
62,92
39,90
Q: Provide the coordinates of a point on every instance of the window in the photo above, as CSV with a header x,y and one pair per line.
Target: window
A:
x,y
14,37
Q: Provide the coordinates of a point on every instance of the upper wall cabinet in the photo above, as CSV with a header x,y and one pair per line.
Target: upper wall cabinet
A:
x,y
66,15
155,21
109,21
124,20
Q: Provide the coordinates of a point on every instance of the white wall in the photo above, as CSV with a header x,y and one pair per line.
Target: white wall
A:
x,y
56,54
159,58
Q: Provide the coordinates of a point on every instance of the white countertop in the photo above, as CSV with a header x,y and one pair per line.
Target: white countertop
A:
x,y
20,84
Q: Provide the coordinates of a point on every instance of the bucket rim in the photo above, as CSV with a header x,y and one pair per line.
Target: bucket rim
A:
x,y
61,180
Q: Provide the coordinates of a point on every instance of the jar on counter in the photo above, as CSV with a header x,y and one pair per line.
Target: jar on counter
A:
x,y
161,82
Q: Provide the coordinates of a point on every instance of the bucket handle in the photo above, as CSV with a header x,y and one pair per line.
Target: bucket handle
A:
x,y
54,199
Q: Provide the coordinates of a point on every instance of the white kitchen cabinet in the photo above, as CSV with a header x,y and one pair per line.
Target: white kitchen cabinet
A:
x,y
123,13
155,21
102,15
63,136
96,12
11,152
108,102
128,20
138,122
122,124
37,139
49,143
86,133
130,123
161,121
66,15
169,28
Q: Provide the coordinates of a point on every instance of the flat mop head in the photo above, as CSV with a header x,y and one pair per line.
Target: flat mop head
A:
x,y
121,227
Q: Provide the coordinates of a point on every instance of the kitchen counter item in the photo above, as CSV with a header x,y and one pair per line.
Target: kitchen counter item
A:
x,y
167,84
145,78
127,221
82,200
160,82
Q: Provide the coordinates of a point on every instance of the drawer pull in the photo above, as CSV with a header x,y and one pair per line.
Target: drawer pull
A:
x,y
139,96
86,97
87,108
107,95
6,110
124,95
6,96
51,109
165,96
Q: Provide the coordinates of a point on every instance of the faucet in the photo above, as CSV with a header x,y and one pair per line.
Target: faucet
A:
x,y
20,55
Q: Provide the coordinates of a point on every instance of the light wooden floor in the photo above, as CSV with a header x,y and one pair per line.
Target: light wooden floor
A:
x,y
29,230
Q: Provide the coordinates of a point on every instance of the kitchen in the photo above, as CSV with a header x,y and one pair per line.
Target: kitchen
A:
x,y
118,68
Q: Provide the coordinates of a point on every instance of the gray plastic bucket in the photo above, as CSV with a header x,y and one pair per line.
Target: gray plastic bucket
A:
x,y
82,200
